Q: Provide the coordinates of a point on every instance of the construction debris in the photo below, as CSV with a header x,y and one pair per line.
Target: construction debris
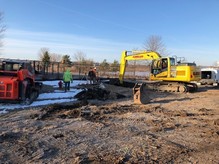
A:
x,y
97,91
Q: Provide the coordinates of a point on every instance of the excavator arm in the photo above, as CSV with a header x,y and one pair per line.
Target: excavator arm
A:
x,y
135,55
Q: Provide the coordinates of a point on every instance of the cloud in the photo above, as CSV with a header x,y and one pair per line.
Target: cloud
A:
x,y
26,45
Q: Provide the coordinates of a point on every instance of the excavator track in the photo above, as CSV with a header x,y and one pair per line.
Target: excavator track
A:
x,y
141,91
172,86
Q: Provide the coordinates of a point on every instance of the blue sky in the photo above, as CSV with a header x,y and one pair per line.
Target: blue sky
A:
x,y
103,29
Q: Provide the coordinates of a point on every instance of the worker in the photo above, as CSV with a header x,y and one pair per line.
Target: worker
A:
x,y
96,79
92,75
67,78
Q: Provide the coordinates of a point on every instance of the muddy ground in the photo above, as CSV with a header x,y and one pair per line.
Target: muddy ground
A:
x,y
172,128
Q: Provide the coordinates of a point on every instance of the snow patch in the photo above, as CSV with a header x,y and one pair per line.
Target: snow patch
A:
x,y
58,96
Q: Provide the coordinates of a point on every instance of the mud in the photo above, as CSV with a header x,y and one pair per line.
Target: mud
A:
x,y
172,128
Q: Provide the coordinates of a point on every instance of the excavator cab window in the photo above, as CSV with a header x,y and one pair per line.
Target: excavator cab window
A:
x,y
159,66
172,61
164,64
156,67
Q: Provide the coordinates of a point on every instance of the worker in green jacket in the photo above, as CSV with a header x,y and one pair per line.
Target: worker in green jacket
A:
x,y
67,78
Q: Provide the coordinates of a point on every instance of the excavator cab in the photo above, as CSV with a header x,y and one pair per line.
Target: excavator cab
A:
x,y
171,70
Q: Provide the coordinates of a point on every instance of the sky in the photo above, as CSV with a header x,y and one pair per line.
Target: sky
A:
x,y
103,29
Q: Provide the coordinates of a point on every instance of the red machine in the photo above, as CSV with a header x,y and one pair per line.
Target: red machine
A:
x,y
17,81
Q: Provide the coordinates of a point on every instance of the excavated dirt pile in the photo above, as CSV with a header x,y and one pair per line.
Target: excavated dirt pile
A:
x,y
172,128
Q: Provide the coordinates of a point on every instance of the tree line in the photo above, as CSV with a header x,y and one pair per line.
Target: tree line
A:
x,y
80,62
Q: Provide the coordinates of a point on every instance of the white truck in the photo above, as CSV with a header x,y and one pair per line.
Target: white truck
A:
x,y
210,76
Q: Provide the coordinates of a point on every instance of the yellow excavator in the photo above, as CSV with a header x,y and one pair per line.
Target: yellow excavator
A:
x,y
166,73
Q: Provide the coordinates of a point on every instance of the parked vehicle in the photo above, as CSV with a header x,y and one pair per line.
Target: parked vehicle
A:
x,y
17,81
209,76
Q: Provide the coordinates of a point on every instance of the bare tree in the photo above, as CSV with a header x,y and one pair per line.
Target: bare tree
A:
x,y
80,56
155,43
2,28
55,57
83,64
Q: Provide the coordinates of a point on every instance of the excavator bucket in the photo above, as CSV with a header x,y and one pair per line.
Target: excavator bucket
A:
x,y
140,93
